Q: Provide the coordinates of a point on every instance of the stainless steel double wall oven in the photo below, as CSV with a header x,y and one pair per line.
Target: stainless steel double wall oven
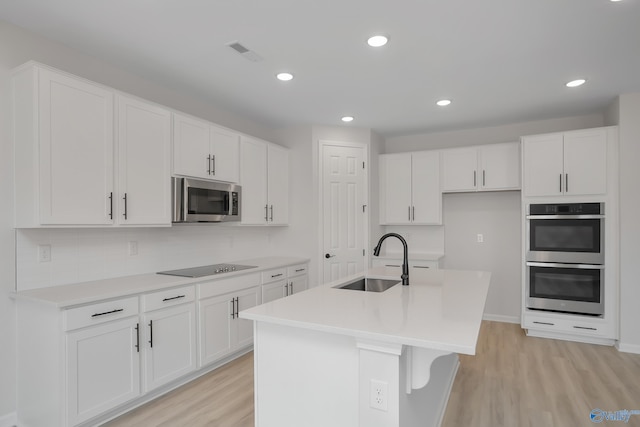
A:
x,y
565,258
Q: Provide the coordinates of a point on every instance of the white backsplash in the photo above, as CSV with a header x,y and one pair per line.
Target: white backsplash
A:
x,y
81,255
420,239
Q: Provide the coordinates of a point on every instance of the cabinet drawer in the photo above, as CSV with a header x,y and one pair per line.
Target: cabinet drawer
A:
x,y
168,298
565,326
94,314
232,284
273,275
297,270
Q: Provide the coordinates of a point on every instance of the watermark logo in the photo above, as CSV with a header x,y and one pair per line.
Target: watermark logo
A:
x,y
598,415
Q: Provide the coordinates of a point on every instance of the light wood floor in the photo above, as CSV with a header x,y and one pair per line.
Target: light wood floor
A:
x,y
512,381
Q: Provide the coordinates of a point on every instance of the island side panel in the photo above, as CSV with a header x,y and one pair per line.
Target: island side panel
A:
x,y
304,378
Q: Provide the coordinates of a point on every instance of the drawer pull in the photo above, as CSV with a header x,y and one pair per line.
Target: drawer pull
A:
x,y
276,275
585,327
391,265
108,312
172,298
420,266
299,270
544,323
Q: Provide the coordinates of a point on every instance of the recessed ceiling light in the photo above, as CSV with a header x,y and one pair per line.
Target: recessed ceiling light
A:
x,y
347,119
285,77
576,83
377,41
443,102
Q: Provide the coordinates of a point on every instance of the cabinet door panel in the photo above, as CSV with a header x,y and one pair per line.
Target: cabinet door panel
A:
x,y
459,169
253,171
543,165
395,189
499,167
274,291
278,185
425,188
585,162
103,368
225,149
76,151
300,283
170,347
190,147
244,328
144,142
215,328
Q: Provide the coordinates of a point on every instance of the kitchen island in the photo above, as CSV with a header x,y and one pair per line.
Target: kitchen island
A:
x,y
340,357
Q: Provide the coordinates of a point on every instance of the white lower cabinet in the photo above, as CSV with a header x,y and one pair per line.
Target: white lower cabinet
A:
x,y
222,332
103,368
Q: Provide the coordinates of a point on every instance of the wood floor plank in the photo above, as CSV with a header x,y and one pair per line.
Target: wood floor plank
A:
x,y
512,381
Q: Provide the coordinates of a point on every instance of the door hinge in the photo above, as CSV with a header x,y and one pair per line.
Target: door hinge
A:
x,y
363,252
362,165
363,208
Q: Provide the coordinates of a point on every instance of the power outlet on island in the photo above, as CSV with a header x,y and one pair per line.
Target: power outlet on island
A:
x,y
378,395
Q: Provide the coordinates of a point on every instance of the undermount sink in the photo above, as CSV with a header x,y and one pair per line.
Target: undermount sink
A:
x,y
369,285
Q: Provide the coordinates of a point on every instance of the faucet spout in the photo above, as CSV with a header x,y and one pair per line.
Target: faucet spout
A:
x,y
405,259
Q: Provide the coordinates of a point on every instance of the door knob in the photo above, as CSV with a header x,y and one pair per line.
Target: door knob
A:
x,y
328,256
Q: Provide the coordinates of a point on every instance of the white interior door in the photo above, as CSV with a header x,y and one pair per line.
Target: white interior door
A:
x,y
343,213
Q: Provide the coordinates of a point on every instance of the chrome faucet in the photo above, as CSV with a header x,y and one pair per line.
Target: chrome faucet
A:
x,y
405,260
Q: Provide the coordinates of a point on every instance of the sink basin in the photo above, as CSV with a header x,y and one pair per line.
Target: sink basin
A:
x,y
369,285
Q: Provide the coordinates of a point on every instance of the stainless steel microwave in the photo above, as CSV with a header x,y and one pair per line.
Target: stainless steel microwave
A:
x,y
196,200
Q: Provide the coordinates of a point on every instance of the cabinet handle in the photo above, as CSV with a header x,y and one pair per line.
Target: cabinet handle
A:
x,y
213,162
151,333
125,205
271,213
118,310
273,276
138,337
544,323
566,182
172,298
233,308
209,164
237,306
299,270
291,285
409,213
561,183
392,265
587,328
474,178
266,212
483,177
286,290
420,266
413,213
111,205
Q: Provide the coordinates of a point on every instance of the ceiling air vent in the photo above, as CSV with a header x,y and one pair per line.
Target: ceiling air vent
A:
x,y
246,53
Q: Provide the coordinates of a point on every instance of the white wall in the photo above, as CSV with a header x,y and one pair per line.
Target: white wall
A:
x,y
494,214
629,116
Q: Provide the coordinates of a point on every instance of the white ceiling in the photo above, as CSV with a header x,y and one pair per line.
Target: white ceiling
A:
x,y
500,61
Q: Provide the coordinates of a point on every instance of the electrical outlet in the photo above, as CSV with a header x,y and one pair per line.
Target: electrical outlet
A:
x,y
480,238
44,253
378,395
132,248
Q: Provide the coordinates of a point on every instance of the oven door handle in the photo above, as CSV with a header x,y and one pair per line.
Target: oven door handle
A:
x,y
563,265
565,216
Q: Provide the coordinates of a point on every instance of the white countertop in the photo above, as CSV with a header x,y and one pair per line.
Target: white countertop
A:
x,y
88,292
440,309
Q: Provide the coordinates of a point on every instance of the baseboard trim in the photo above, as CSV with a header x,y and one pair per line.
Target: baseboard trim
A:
x,y
501,318
628,348
9,420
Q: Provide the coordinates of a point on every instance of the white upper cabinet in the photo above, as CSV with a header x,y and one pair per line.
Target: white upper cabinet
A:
x,y
63,130
144,148
484,168
203,150
570,163
264,176
410,188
